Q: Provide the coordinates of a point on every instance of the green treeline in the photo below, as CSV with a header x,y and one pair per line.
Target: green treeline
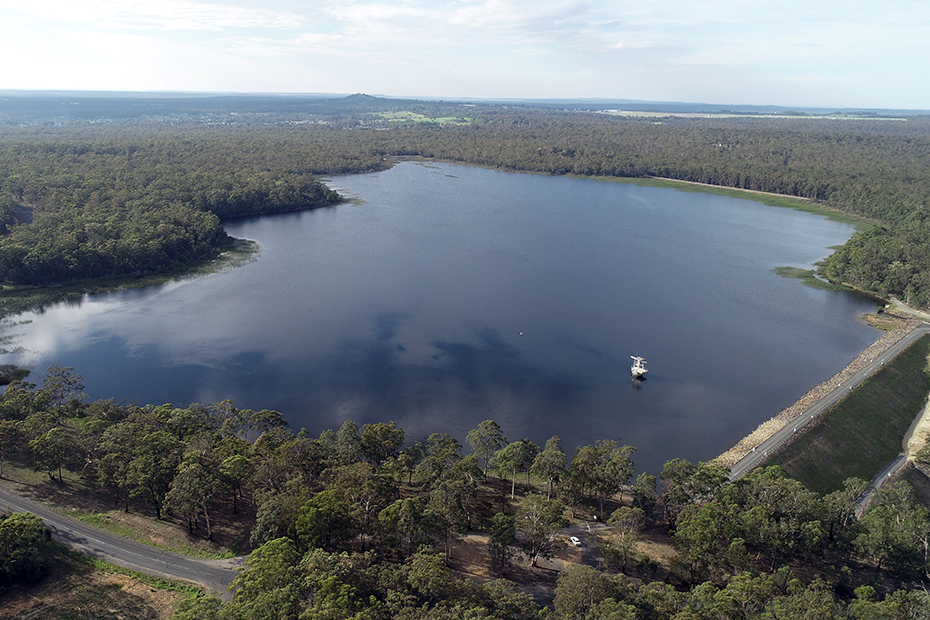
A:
x,y
130,203
890,260
361,523
134,196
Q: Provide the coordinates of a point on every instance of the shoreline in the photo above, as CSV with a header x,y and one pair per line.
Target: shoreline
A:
x,y
784,417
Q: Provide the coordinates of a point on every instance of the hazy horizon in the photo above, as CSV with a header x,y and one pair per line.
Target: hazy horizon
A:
x,y
790,54
590,101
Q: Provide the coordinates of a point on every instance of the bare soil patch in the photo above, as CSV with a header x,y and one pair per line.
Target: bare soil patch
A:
x,y
73,590
919,433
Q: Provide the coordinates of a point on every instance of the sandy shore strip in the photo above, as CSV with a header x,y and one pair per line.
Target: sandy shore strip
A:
x,y
784,417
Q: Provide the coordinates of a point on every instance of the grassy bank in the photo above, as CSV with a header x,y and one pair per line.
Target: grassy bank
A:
x,y
771,200
863,432
808,277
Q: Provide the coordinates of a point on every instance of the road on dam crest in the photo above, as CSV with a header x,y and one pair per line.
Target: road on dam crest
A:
x,y
762,452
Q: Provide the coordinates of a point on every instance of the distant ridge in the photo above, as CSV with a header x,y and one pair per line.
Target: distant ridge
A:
x,y
18,106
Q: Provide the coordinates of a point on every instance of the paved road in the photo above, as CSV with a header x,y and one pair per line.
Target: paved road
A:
x,y
215,575
751,460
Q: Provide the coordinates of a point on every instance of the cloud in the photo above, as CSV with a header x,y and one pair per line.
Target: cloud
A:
x,y
154,15
696,50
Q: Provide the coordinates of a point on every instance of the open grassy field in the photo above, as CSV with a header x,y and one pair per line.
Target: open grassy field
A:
x,y
864,432
404,116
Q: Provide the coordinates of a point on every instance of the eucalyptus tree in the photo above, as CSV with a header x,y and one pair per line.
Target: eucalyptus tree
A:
x,y
502,541
381,442
323,522
485,440
10,438
539,520
443,451
581,588
446,509
265,420
194,491
404,525
645,495
605,467
53,450
406,461
62,384
367,491
155,460
349,443
685,483
626,524
230,419
895,531
238,471
516,458
550,463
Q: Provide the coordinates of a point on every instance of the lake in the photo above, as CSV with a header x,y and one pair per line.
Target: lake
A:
x,y
444,295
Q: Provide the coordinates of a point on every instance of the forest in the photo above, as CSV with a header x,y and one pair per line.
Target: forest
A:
x,y
89,199
361,522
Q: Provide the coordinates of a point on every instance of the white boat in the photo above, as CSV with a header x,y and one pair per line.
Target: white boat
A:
x,y
639,367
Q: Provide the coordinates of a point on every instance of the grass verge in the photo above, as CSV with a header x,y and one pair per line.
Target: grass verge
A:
x,y
160,583
771,200
864,431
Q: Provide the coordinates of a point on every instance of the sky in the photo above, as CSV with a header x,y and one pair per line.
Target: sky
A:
x,y
810,53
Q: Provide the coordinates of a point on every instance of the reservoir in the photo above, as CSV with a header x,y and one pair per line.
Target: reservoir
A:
x,y
443,295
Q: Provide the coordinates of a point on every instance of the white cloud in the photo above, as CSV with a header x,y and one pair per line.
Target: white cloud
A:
x,y
154,15
708,50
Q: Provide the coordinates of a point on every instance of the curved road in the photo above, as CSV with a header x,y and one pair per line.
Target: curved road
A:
x,y
751,460
214,575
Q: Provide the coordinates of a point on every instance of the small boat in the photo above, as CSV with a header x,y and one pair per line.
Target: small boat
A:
x,y
639,367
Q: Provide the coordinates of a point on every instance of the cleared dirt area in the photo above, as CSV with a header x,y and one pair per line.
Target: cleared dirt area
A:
x,y
73,590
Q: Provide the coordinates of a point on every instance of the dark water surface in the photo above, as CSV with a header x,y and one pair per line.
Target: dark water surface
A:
x,y
449,295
